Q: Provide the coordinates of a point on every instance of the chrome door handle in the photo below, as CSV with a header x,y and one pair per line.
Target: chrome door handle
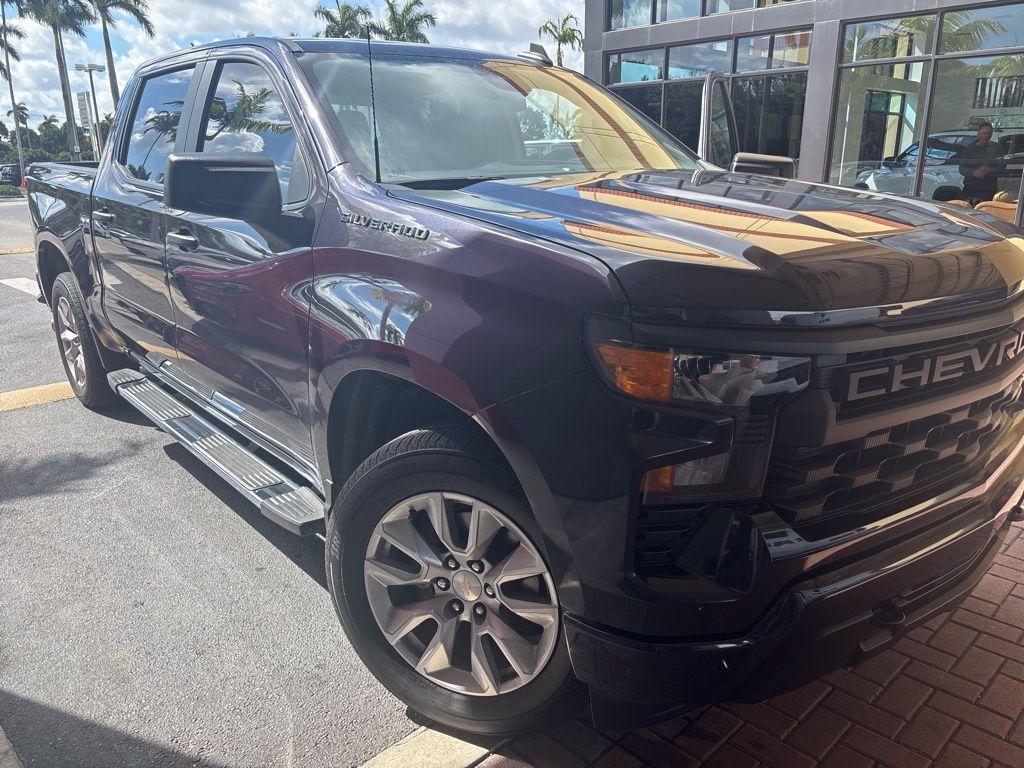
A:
x,y
105,216
183,240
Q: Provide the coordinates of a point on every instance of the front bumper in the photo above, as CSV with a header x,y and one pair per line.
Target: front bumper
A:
x,y
826,621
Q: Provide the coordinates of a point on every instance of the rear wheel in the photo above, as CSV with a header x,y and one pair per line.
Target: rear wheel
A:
x,y
435,573
81,359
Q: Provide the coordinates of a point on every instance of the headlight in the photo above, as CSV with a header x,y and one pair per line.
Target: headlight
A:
x,y
746,388
727,379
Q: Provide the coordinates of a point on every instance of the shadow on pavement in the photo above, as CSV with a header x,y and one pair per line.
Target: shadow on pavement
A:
x,y
119,410
306,552
52,474
43,736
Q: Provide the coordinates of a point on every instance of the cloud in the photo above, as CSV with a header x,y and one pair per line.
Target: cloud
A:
x,y
179,23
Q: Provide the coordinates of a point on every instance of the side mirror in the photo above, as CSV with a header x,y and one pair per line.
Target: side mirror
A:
x,y
240,186
766,165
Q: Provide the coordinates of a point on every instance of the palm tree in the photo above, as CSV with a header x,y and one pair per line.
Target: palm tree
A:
x,y
105,125
105,9
406,23
62,17
349,21
20,115
8,31
564,31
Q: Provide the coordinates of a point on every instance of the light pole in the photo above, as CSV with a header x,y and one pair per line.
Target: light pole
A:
x,y
90,68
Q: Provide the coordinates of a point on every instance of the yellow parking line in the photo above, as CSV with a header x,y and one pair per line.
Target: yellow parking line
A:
x,y
12,251
23,398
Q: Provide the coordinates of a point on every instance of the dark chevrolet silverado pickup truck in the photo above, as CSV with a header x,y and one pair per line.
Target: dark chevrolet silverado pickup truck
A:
x,y
582,416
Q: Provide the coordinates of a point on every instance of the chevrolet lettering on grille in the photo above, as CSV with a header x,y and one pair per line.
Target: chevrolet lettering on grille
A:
x,y
921,371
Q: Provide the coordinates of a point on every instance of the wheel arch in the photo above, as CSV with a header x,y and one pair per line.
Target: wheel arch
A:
x,y
51,260
354,428
368,408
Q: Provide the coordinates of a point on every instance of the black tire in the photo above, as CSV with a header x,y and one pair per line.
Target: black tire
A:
x,y
459,460
93,390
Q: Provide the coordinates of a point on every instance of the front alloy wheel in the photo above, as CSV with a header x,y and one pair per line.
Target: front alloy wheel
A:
x,y
461,593
435,567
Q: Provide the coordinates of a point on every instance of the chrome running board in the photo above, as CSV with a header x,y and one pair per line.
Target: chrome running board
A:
x,y
280,499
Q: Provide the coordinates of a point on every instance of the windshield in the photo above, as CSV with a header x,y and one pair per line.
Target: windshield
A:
x,y
443,119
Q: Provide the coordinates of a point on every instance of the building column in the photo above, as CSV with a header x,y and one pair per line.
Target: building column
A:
x,y
594,21
818,105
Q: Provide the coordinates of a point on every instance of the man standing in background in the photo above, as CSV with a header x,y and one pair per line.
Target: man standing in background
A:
x,y
978,166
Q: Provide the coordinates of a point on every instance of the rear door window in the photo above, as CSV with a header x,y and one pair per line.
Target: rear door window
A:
x,y
154,125
245,113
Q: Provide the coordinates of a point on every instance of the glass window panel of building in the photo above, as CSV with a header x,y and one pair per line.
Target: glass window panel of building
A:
x,y
889,38
636,66
769,104
698,59
878,122
1001,26
787,49
668,10
770,113
645,98
630,13
683,110
637,13
970,93
725,6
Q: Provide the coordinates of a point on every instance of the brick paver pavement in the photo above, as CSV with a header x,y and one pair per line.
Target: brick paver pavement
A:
x,y
949,694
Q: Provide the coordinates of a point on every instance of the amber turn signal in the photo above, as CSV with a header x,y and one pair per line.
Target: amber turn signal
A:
x,y
642,373
660,480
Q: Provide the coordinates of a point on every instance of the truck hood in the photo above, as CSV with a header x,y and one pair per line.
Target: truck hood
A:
x,y
725,248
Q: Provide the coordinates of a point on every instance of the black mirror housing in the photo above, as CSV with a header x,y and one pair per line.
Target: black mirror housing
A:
x,y
242,186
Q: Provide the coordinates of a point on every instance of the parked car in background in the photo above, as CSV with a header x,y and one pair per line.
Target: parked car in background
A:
x,y
582,416
10,175
941,178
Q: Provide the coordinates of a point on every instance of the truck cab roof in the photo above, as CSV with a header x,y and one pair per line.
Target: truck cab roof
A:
x,y
349,45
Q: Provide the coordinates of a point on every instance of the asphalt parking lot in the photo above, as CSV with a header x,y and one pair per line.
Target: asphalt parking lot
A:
x,y
150,617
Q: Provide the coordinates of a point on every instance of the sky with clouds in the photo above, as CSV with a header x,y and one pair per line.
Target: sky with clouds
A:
x,y
485,25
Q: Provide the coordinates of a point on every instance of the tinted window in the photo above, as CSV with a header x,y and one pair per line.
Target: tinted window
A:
x,y
697,59
629,13
877,118
984,28
636,66
889,38
155,125
789,49
246,114
678,9
646,98
719,135
682,111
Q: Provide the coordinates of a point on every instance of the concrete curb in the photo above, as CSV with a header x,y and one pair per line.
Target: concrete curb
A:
x,y
8,758
426,748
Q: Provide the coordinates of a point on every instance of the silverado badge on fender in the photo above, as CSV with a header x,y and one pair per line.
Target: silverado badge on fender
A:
x,y
923,370
386,226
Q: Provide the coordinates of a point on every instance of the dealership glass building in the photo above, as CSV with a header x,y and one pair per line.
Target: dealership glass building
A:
x,y
849,87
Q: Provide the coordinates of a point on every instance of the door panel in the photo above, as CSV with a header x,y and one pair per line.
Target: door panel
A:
x,y
240,288
129,216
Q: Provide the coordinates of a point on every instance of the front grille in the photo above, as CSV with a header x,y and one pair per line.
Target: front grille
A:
x,y
828,377
905,463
